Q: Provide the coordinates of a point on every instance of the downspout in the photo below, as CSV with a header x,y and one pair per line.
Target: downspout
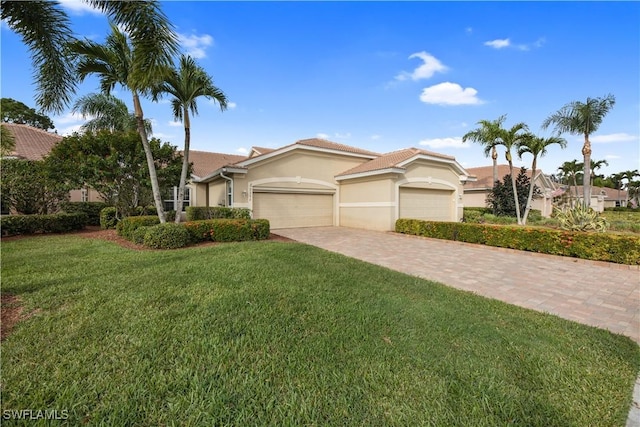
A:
x,y
230,180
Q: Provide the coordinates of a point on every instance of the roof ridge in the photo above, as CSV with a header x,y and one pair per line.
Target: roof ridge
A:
x,y
33,128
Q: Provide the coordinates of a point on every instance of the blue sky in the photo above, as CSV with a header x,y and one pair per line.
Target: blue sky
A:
x,y
388,75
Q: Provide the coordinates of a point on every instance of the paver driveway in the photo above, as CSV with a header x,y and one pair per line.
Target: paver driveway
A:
x,y
593,293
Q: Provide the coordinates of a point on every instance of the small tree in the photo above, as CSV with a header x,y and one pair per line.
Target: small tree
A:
x,y
501,199
16,112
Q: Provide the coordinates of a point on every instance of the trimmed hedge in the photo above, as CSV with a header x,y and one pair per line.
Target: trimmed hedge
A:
x,y
127,226
621,249
228,230
197,213
92,209
30,224
108,218
164,236
623,209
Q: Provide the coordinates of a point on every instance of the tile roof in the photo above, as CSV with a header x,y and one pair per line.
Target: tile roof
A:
x,y
484,175
323,143
205,162
260,150
31,143
609,193
391,160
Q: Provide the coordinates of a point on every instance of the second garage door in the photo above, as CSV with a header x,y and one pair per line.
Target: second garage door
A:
x,y
290,210
432,205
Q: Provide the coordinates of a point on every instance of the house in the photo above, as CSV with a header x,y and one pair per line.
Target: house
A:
x,y
35,144
315,182
601,197
475,193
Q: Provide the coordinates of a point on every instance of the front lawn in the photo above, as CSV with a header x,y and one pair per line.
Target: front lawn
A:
x,y
272,333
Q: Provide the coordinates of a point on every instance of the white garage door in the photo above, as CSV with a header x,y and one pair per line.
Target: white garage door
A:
x,y
290,210
432,205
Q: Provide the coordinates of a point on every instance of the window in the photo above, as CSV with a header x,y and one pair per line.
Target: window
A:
x,y
229,193
170,203
84,195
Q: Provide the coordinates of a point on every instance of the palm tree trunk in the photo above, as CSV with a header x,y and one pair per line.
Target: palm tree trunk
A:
x,y
513,185
586,152
494,157
155,187
530,197
185,164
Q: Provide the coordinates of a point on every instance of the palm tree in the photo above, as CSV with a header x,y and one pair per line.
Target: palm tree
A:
x,y
629,176
616,180
578,118
537,146
45,29
107,113
487,135
7,141
595,165
571,170
185,85
512,138
133,67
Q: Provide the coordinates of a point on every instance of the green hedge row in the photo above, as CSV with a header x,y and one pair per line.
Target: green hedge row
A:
x,y
92,209
147,230
623,209
228,230
30,224
197,213
621,249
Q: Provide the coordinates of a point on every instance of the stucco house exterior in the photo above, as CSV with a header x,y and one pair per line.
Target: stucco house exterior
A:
x,y
601,197
476,192
315,182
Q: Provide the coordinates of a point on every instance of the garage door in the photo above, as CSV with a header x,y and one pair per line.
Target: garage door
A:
x,y
432,205
289,210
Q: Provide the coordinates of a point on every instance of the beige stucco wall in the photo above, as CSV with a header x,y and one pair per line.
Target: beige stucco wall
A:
x,y
93,196
368,203
217,193
475,199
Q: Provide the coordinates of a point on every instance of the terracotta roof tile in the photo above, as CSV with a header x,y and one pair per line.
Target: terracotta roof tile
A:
x,y
205,162
484,175
31,143
323,143
608,193
391,160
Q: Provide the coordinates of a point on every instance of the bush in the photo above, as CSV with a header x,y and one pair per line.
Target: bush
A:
x,y
30,224
165,236
92,209
622,209
228,230
621,249
137,235
127,226
108,218
197,213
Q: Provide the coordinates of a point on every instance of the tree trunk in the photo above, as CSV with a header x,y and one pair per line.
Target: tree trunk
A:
x,y
513,185
494,157
586,152
155,187
530,197
185,164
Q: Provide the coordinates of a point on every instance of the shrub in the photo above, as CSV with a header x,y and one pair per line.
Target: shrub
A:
x,y
228,230
166,236
621,249
127,225
108,218
31,224
196,213
91,209
137,235
580,218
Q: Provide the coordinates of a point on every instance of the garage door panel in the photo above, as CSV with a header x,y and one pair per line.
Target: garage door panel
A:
x,y
289,210
427,204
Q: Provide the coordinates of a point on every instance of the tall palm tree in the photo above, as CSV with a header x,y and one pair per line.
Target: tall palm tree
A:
x,y
536,146
488,136
45,29
510,139
185,85
107,113
578,118
119,62
595,165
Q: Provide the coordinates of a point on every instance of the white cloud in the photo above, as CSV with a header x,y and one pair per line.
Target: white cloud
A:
x,y
498,43
376,137
452,142
175,124
164,136
612,157
242,150
612,137
468,30
77,7
343,135
69,130
68,118
231,105
194,45
322,136
448,93
429,67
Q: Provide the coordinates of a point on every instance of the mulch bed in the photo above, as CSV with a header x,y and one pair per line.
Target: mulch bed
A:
x,y
11,305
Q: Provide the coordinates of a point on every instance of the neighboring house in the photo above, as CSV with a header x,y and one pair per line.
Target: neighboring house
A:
x,y
35,144
475,193
601,197
315,182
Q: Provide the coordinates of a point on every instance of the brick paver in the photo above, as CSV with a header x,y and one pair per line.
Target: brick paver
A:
x,y
593,293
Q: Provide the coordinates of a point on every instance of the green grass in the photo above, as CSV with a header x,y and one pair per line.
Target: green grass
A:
x,y
623,221
269,333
